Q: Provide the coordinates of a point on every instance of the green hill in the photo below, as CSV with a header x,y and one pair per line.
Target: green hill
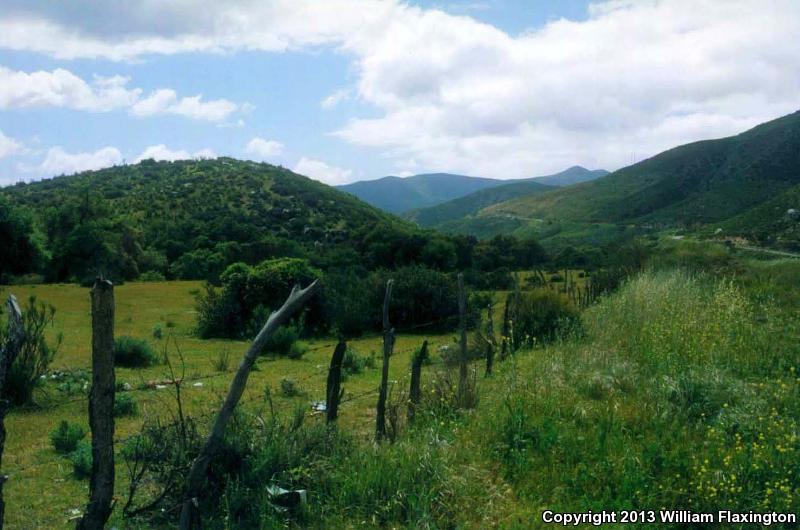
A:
x,y
456,212
698,183
775,222
471,204
573,175
189,219
400,194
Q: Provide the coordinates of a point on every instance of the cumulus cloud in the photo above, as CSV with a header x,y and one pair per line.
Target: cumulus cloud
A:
x,y
166,101
632,80
62,88
263,149
453,93
319,170
58,162
162,152
8,146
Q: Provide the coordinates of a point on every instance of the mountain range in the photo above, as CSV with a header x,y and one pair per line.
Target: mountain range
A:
x,y
404,194
742,184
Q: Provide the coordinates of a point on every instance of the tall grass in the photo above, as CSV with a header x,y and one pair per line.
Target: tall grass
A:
x,y
667,320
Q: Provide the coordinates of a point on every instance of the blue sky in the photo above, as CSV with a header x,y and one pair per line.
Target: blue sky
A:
x,y
356,89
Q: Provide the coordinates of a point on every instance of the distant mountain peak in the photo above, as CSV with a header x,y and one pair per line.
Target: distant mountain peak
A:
x,y
404,194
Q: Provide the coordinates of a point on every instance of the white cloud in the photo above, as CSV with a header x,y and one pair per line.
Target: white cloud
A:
x,y
335,98
319,170
8,146
456,94
57,161
162,152
166,101
264,149
639,77
62,88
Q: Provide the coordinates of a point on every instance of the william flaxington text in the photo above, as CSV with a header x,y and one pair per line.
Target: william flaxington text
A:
x,y
666,516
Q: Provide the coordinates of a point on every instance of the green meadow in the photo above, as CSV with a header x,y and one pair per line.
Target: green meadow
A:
x,y
680,390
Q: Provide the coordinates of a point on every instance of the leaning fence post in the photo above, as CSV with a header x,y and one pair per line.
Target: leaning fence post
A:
x,y
388,344
334,386
197,474
101,408
8,353
462,358
414,392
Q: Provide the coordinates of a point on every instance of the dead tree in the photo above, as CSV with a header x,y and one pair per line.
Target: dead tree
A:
x,y
8,353
414,392
462,325
101,408
490,340
388,345
194,482
334,387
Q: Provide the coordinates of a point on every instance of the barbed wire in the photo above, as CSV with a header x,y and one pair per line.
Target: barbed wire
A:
x,y
153,384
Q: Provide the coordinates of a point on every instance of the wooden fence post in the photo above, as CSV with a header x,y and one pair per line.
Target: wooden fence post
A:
x,y
490,340
506,329
194,482
462,358
414,392
8,353
334,386
101,408
388,344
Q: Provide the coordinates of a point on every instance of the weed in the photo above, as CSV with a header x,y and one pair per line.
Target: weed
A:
x,y
290,388
81,459
125,405
222,362
66,436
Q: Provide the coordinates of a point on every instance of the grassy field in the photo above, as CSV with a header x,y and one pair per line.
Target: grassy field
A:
x,y
680,391
42,492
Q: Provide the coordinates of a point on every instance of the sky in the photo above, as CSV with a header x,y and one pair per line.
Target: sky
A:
x,y
345,90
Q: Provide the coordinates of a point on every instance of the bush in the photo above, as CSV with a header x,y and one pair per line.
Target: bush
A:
x,y
131,352
290,388
353,363
297,350
280,342
249,294
497,280
35,355
125,405
423,299
346,308
694,256
151,276
155,460
81,459
66,436
158,333
540,315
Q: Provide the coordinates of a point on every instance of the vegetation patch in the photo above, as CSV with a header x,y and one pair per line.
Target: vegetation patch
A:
x,y
131,352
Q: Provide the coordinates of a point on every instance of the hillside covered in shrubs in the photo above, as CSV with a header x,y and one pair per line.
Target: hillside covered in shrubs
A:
x,y
192,219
